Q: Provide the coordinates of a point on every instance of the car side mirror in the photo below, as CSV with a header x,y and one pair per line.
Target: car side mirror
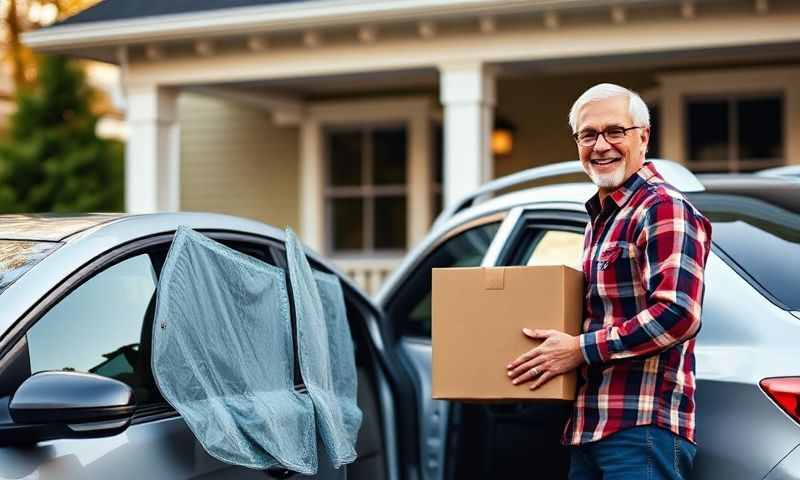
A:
x,y
61,404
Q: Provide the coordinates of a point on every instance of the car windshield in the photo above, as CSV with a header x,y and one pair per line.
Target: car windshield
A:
x,y
18,256
760,239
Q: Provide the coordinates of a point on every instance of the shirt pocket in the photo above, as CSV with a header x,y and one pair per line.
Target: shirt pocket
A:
x,y
617,267
608,256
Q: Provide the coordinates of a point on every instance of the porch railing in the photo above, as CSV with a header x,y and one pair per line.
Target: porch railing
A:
x,y
368,273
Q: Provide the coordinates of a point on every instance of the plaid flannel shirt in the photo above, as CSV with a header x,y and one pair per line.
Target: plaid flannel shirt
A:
x,y
644,255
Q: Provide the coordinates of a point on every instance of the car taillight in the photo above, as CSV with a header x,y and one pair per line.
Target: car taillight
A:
x,y
785,391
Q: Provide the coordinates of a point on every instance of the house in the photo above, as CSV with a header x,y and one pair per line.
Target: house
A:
x,y
355,121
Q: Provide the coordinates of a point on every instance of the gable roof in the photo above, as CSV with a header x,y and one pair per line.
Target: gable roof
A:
x,y
131,9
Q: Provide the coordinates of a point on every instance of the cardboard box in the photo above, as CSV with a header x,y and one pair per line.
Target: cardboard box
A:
x,y
478,315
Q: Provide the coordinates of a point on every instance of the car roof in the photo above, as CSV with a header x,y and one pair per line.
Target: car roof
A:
x,y
573,196
50,227
781,191
84,245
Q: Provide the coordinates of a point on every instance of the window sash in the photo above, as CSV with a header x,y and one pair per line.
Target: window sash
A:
x,y
367,191
734,163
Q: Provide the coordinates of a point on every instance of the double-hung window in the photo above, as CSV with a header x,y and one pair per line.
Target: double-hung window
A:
x,y
735,133
366,189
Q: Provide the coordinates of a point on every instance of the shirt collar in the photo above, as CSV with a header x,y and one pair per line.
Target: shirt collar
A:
x,y
624,192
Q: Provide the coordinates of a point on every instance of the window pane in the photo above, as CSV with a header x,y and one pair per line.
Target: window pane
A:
x,y
390,223
345,150
438,154
558,248
389,156
438,204
411,306
17,257
708,130
347,221
760,128
654,144
762,238
98,327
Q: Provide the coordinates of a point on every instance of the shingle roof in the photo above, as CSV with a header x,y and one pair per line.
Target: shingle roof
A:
x,y
132,9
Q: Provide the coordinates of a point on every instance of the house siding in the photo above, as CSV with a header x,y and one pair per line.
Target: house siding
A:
x,y
234,160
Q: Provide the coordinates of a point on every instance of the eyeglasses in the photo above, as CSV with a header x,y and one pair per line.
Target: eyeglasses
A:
x,y
615,134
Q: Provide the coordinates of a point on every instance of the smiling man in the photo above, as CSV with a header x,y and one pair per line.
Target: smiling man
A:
x,y
645,249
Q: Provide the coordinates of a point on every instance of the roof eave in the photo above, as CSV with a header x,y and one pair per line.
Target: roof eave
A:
x,y
279,17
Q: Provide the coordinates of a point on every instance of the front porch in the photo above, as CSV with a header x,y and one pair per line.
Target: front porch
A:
x,y
356,133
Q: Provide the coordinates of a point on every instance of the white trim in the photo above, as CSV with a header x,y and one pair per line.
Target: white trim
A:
x,y
280,17
413,112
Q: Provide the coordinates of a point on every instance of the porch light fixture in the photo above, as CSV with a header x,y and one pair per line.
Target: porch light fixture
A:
x,y
502,137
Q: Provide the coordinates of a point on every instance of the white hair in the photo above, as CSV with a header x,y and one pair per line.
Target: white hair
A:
x,y
636,106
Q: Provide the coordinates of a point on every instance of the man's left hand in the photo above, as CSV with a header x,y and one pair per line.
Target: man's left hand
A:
x,y
559,353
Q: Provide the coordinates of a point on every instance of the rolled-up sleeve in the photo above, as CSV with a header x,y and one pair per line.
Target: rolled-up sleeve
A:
x,y
674,241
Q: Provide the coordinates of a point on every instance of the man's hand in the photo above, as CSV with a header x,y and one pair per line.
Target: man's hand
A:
x,y
559,353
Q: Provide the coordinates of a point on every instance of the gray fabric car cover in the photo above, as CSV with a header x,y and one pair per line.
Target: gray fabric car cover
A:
x,y
222,356
326,355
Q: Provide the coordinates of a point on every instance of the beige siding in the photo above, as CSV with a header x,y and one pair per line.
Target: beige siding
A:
x,y
234,160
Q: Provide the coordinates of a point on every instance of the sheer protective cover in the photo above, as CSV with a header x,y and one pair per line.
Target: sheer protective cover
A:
x,y
325,350
222,356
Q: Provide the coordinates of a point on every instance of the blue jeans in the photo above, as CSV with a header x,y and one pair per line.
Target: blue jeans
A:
x,y
640,453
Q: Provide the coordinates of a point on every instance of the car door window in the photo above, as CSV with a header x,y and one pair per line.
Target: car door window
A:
x,y
104,326
546,240
556,247
411,307
97,328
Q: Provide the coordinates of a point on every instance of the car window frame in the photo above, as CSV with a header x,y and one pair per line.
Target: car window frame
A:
x,y
394,330
538,219
16,357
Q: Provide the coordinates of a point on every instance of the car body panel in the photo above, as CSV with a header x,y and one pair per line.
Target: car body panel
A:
x,y
744,338
788,469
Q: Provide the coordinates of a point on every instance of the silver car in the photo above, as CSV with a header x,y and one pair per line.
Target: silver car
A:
x,y
76,293
748,350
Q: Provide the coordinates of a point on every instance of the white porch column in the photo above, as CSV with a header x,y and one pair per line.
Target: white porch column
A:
x,y
152,152
467,91
311,185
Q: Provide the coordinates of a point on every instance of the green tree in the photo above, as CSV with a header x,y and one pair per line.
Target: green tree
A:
x,y
52,159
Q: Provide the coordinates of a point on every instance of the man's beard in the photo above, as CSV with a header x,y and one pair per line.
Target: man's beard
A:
x,y
610,180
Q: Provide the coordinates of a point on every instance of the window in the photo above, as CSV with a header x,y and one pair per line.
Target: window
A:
x,y
366,189
654,144
104,326
411,307
740,133
760,238
437,137
97,328
17,257
556,247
